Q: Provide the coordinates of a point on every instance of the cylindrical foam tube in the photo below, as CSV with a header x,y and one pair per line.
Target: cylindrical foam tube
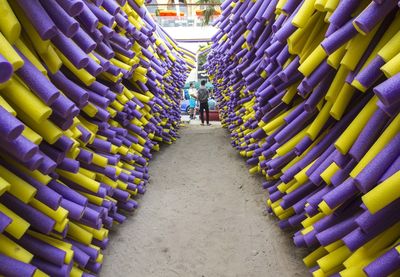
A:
x,y
38,220
337,231
395,166
338,38
47,166
20,148
369,176
383,194
4,221
372,15
389,91
6,70
340,194
368,221
68,193
102,15
39,18
65,23
72,90
88,19
84,41
369,134
70,50
72,7
70,165
37,82
43,250
75,210
384,265
14,268
63,106
10,127
52,269
80,257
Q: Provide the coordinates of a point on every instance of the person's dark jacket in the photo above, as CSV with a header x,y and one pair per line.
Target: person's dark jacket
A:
x,y
203,95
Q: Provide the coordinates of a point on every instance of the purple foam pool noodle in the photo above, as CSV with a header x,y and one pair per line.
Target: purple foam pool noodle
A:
x,y
15,268
75,210
389,90
52,269
72,7
84,41
70,50
103,16
373,14
94,267
38,220
329,138
6,70
70,165
384,265
369,134
369,176
371,73
341,175
80,257
394,167
39,18
37,82
357,237
341,160
85,156
91,252
88,19
86,135
64,22
72,90
34,162
4,221
20,148
55,154
44,194
68,193
321,159
111,6
311,81
343,12
63,106
338,38
293,197
337,231
341,193
10,127
42,249
47,165
367,221
391,110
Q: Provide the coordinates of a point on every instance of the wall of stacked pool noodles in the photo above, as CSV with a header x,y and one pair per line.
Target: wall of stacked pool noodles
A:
x,y
88,89
310,93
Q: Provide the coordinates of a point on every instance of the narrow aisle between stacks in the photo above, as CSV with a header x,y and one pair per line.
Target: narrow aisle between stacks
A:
x,y
201,216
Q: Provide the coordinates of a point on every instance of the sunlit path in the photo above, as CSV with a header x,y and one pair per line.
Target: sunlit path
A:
x,y
201,216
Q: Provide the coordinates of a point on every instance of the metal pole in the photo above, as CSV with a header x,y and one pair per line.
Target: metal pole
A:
x,y
178,8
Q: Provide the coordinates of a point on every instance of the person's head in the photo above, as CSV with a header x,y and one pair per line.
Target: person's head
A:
x,y
191,84
203,82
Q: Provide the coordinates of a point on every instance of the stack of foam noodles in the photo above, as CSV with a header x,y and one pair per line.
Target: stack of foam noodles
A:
x,y
310,93
87,90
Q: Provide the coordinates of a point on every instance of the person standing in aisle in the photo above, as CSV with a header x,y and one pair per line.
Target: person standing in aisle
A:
x,y
192,101
203,99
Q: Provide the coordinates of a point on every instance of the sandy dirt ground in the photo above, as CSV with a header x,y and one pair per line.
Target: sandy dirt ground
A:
x,y
202,216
